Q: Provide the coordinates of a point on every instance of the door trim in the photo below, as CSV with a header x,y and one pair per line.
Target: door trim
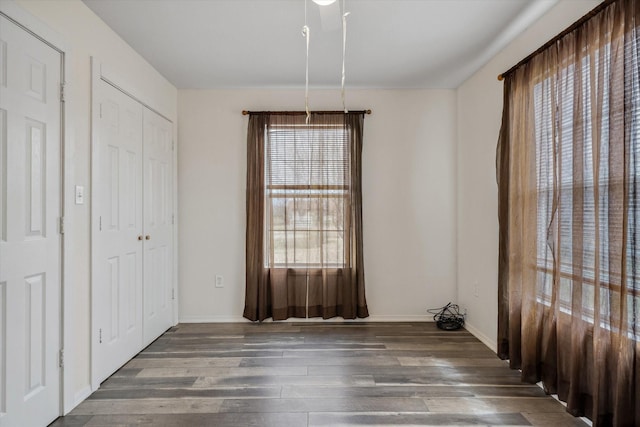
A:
x,y
34,26
95,111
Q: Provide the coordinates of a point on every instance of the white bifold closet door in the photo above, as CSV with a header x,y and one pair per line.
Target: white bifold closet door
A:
x,y
30,241
117,235
158,225
132,235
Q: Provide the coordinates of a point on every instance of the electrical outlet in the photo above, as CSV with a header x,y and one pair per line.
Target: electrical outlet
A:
x,y
79,195
219,281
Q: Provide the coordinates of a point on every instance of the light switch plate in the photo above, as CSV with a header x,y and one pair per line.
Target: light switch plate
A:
x,y
79,195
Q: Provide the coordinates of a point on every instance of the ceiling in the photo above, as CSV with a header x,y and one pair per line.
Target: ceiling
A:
x,y
205,44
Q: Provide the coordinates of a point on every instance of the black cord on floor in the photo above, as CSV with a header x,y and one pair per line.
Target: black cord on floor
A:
x,y
448,317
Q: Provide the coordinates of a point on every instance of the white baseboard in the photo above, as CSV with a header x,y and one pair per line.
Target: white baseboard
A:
x,y
399,318
240,319
586,420
489,342
212,319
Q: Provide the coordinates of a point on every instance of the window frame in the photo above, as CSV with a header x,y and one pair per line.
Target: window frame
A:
x,y
305,192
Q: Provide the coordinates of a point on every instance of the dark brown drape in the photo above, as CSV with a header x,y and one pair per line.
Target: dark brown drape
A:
x,y
258,295
304,217
568,165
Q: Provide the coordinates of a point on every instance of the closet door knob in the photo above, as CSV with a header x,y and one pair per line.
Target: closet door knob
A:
x,y
140,237
147,237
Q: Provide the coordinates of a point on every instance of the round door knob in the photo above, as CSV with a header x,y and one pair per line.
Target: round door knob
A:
x,y
140,237
147,237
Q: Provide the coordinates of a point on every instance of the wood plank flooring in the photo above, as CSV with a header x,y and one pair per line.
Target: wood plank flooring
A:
x,y
316,374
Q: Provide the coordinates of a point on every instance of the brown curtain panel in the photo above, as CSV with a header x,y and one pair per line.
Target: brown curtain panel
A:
x,y
304,217
568,164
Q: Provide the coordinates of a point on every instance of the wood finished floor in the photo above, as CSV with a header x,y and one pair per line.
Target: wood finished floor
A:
x,y
316,374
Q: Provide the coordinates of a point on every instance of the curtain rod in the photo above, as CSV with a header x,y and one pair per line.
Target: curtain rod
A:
x,y
599,8
246,112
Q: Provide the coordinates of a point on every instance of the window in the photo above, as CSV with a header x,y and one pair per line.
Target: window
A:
x,y
568,175
304,251
565,129
307,180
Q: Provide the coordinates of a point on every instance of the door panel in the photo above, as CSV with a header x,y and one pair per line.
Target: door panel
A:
x,y
117,231
34,322
158,227
30,243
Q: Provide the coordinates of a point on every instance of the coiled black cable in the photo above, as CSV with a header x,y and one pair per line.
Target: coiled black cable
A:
x,y
448,318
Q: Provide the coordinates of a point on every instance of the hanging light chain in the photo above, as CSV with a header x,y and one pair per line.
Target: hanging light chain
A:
x,y
344,50
306,33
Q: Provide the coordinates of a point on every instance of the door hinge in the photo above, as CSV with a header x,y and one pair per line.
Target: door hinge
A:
x,y
173,219
100,112
99,223
62,86
61,358
100,335
173,294
173,145
61,225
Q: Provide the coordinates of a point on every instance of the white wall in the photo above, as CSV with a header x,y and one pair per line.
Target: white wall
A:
x,y
415,248
409,203
479,117
86,35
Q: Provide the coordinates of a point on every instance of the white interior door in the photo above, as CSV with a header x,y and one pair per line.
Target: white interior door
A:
x,y
30,243
117,232
158,225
